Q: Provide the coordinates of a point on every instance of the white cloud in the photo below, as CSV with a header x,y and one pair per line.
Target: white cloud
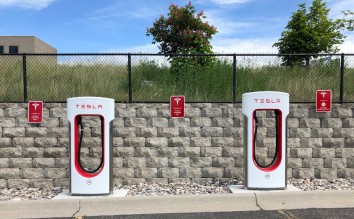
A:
x,y
336,7
235,45
348,45
28,4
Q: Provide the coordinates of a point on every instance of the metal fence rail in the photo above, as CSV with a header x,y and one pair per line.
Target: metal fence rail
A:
x,y
153,78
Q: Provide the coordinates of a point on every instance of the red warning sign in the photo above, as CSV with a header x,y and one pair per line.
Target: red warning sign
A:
x,y
35,111
323,100
177,104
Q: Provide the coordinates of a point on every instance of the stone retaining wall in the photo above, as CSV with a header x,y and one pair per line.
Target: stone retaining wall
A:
x,y
151,147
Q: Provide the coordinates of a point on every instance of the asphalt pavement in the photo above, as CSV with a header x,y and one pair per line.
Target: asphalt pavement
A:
x,y
258,204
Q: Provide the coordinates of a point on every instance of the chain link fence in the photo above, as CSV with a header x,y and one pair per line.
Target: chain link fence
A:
x,y
156,77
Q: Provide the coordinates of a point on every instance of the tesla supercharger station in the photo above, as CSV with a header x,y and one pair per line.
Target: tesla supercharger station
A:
x,y
84,181
258,175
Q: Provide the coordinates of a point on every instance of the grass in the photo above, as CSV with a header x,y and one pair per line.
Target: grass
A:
x,y
153,82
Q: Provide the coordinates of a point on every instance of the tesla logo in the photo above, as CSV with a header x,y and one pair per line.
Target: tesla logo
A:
x,y
88,106
267,175
88,182
323,94
177,99
35,106
266,100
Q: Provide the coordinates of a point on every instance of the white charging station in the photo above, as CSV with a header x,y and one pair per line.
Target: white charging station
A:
x,y
272,175
100,180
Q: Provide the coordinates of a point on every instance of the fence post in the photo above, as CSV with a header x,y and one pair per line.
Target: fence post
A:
x,y
341,97
234,79
130,98
24,68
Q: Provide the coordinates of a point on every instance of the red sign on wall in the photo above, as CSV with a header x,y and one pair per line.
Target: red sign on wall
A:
x,y
177,104
35,111
323,100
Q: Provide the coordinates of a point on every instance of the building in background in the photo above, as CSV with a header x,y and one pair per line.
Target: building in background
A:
x,y
24,44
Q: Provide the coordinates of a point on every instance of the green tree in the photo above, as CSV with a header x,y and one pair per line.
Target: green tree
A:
x,y
310,32
183,32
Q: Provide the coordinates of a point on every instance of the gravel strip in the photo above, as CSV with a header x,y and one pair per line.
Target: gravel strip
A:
x,y
190,188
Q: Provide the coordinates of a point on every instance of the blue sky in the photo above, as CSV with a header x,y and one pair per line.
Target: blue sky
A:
x,y
82,26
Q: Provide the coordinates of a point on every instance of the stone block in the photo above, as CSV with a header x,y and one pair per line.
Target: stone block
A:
x,y
134,142
299,132
327,173
117,162
304,173
332,123
294,162
20,163
146,112
168,132
50,122
124,132
18,183
127,112
56,173
7,122
44,162
233,132
222,141
299,113
200,141
3,184
188,151
167,152
349,143
135,122
189,132
232,151
341,112
190,172
6,142
310,123
156,142
32,173
348,123
134,162
347,152
322,133
158,122
156,162
340,163
32,152
179,162
168,172
201,161
310,142
58,132
350,162
58,112
45,142
10,152
293,122
222,122
343,133
179,142
62,162
5,162
192,112
15,112
333,142
9,173
179,122
213,172
211,151
223,162
313,162
56,152
14,132
212,132
145,173
323,153
146,132
118,142
123,172
117,122
145,152
201,122
63,183
64,142
42,183
211,112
